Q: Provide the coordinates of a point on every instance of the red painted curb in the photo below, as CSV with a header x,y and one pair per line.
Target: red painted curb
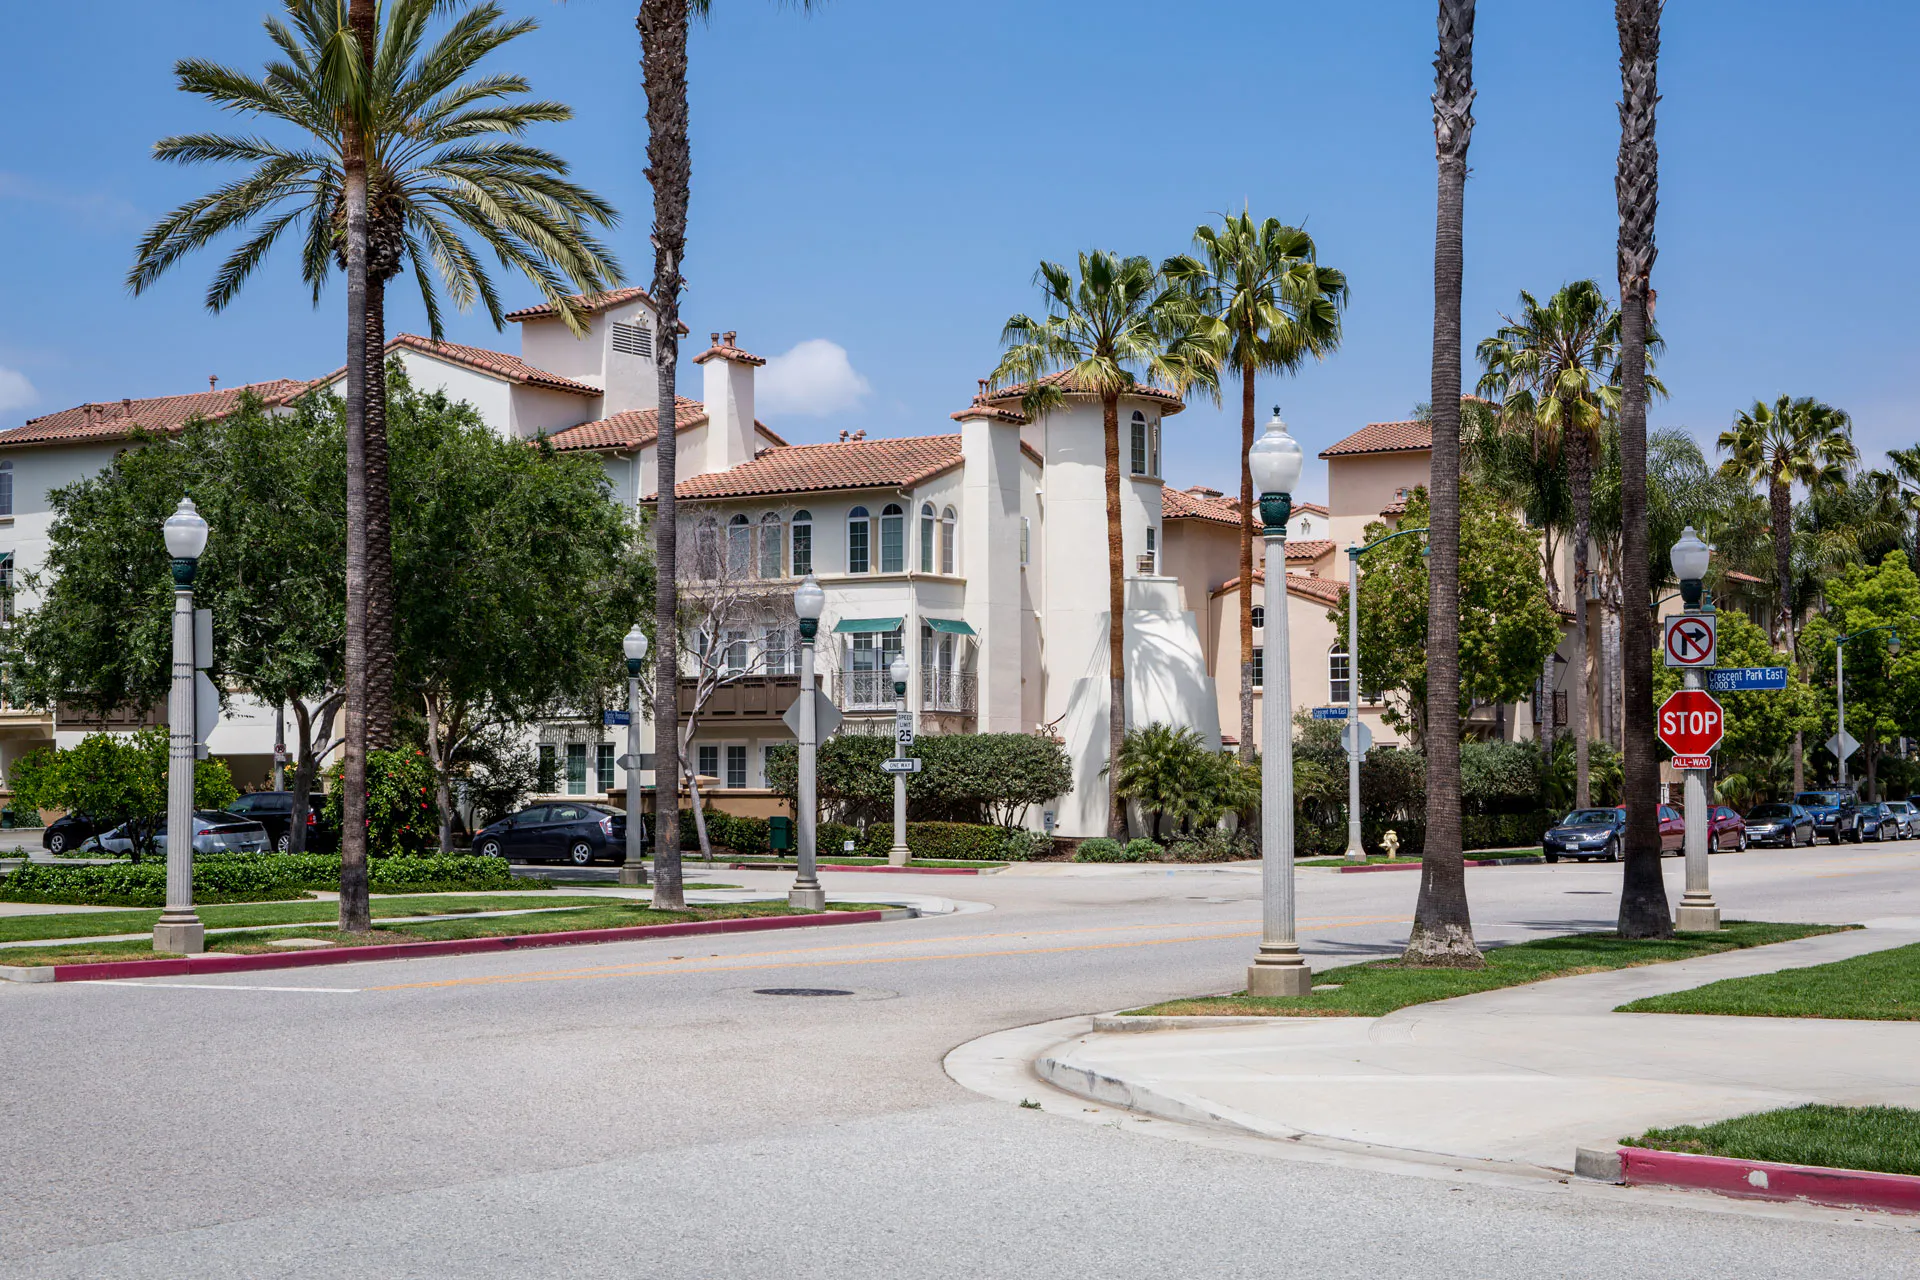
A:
x,y
1762,1180
885,871
216,962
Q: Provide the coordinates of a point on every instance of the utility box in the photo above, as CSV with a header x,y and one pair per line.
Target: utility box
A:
x,y
780,834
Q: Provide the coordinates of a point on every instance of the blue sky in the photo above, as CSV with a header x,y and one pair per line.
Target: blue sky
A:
x,y
882,178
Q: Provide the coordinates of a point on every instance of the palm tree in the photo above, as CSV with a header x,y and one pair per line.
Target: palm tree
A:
x,y
1776,447
1442,925
1552,370
1119,316
437,151
1643,895
1278,306
1906,473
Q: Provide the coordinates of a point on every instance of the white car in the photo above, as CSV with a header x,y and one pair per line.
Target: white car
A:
x,y
213,832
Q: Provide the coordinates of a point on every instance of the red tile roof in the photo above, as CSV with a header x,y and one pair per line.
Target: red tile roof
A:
x,y
1384,437
638,428
1184,504
1326,590
498,363
1170,401
846,464
1398,507
1312,508
1310,550
724,347
118,419
1735,575
592,304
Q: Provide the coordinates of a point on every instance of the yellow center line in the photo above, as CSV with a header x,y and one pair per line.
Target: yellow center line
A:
x,y
642,969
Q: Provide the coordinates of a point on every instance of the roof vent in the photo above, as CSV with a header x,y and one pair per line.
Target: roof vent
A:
x,y
632,339
213,382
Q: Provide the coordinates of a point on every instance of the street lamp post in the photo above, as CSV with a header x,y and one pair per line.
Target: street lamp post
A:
x,y
1698,912
1356,849
1277,969
634,869
179,928
902,729
1840,685
807,895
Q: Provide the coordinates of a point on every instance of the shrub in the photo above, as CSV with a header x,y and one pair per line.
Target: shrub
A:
x,y
1170,774
400,810
1214,844
1023,845
270,877
1141,849
830,838
964,776
1101,849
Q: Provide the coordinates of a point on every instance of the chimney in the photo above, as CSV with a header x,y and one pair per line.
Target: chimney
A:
x,y
728,391
213,382
126,406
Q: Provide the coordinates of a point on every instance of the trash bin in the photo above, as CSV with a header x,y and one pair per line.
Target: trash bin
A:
x,y
780,834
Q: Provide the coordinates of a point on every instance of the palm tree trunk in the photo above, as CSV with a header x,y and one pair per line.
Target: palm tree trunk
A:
x,y
1780,505
379,525
1117,618
1582,476
1246,564
1643,896
663,44
355,911
1442,926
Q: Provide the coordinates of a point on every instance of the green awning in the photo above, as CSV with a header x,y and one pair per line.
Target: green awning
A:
x,y
952,626
861,626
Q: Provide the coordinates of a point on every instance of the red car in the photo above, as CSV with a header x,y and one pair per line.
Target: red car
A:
x,y
1725,830
1673,829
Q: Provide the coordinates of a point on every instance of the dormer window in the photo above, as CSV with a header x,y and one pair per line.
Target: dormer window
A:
x,y
633,339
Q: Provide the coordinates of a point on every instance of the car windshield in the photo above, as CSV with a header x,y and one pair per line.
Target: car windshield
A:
x,y
1771,811
1588,818
1818,797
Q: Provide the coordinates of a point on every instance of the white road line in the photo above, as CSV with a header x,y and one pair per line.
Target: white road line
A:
x,y
206,986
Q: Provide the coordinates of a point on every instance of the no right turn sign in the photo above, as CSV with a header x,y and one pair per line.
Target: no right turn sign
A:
x,y
1691,640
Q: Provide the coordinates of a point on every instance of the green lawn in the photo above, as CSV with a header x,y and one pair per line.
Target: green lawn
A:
x,y
1381,986
1473,855
605,913
1878,1139
1882,985
240,915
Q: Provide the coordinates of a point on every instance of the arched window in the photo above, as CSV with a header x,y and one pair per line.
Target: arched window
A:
x,y
1153,447
1339,675
893,539
859,541
739,547
1137,453
949,547
1259,616
802,533
770,545
926,537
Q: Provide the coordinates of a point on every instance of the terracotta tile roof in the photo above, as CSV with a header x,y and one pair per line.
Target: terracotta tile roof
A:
x,y
725,347
628,430
978,409
1312,508
1032,453
1398,507
1734,575
1310,550
1384,437
1184,504
1326,590
846,464
1170,401
498,363
115,420
592,304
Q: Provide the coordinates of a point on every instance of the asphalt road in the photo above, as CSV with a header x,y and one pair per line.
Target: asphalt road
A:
x,y
640,1110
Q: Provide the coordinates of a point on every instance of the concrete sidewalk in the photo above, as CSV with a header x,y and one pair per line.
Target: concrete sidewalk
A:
x,y
1523,1075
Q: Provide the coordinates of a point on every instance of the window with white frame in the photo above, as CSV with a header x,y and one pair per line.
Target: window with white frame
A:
x,y
737,766
1259,666
801,531
893,539
739,547
770,540
1150,562
735,654
576,768
776,647
549,764
1153,447
1259,616
1137,451
949,544
603,766
708,756
926,537
6,488
859,541
1026,541
1339,675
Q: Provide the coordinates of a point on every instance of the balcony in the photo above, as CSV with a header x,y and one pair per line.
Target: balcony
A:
x,y
749,697
952,691
866,691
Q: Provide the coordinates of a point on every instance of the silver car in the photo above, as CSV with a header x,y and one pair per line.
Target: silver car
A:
x,y
1909,817
213,832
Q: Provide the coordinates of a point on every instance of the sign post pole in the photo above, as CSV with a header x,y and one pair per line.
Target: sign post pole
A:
x,y
902,739
1697,913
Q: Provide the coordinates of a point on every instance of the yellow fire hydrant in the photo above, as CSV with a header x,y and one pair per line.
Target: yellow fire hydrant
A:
x,y
1391,844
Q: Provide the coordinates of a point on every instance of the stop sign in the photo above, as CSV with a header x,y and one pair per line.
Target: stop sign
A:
x,y
1690,722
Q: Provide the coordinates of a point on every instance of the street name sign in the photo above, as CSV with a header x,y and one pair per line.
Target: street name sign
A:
x,y
1747,680
901,764
1347,732
1690,722
1691,640
616,717
1692,762
826,716
1330,713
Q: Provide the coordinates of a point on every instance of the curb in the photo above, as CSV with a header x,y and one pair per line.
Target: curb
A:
x,y
1130,1024
218,962
847,866
1763,1180
1414,865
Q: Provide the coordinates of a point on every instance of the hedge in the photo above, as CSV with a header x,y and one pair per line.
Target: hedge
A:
x,y
1101,849
970,841
270,877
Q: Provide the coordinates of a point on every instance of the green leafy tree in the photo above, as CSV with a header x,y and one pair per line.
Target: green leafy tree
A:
x,y
1507,628
1276,306
119,778
1171,775
400,806
1118,320
1883,688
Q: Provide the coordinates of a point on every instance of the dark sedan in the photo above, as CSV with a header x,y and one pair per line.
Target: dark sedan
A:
x,y
274,811
1584,834
1880,822
1787,825
576,833
1835,815
70,831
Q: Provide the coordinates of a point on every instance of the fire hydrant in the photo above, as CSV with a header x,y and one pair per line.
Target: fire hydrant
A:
x,y
1391,843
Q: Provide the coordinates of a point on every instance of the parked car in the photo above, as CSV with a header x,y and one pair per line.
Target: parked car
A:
x,y
213,832
1787,825
1835,814
1880,822
577,833
1909,817
1584,834
1725,830
70,831
274,811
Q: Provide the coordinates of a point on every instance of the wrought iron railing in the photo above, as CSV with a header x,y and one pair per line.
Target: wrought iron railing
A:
x,y
948,691
866,691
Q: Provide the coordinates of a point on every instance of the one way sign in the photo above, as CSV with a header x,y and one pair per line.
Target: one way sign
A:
x,y
1692,639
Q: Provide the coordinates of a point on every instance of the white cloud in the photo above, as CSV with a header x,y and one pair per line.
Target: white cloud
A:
x,y
15,391
812,380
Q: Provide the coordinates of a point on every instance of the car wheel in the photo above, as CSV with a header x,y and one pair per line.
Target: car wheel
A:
x,y
581,853
1550,857
284,843
491,849
57,842
1742,846
1613,850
